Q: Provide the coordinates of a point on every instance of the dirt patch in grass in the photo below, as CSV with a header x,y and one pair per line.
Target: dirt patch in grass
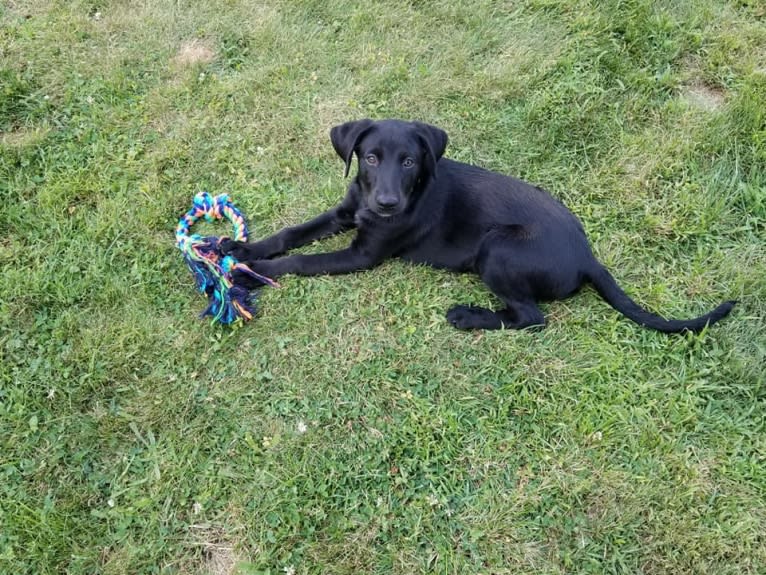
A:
x,y
28,8
218,555
194,52
699,95
21,138
220,560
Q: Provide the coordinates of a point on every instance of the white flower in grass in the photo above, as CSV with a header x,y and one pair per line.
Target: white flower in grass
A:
x,y
196,508
301,427
289,570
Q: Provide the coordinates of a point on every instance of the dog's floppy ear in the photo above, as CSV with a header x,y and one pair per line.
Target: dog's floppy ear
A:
x,y
435,141
346,136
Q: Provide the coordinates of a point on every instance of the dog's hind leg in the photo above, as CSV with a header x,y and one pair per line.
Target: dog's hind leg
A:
x,y
512,268
517,315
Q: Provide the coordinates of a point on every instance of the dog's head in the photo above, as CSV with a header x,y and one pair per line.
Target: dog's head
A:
x,y
396,159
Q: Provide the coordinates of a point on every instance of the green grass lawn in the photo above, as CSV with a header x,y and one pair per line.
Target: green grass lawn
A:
x,y
349,429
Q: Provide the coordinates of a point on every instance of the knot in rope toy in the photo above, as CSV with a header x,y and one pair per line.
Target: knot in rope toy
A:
x,y
210,267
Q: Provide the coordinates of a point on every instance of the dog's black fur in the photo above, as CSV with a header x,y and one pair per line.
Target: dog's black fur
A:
x,y
408,201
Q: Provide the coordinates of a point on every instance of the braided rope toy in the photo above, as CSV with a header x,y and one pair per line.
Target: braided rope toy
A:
x,y
210,267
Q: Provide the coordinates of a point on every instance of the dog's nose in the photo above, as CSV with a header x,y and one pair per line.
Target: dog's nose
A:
x,y
387,202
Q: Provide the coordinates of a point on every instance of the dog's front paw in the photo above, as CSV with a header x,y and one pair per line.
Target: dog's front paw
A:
x,y
238,250
245,251
469,317
266,268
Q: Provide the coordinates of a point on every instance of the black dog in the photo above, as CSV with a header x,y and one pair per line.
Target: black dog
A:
x,y
407,201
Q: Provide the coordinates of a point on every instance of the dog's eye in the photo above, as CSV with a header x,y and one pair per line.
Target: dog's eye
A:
x,y
408,162
371,159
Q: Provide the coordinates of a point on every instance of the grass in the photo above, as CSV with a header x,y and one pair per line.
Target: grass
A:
x,y
349,429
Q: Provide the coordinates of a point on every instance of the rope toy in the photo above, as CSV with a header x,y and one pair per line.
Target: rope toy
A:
x,y
211,268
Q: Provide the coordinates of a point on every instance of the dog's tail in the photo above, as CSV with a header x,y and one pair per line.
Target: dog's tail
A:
x,y
608,289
